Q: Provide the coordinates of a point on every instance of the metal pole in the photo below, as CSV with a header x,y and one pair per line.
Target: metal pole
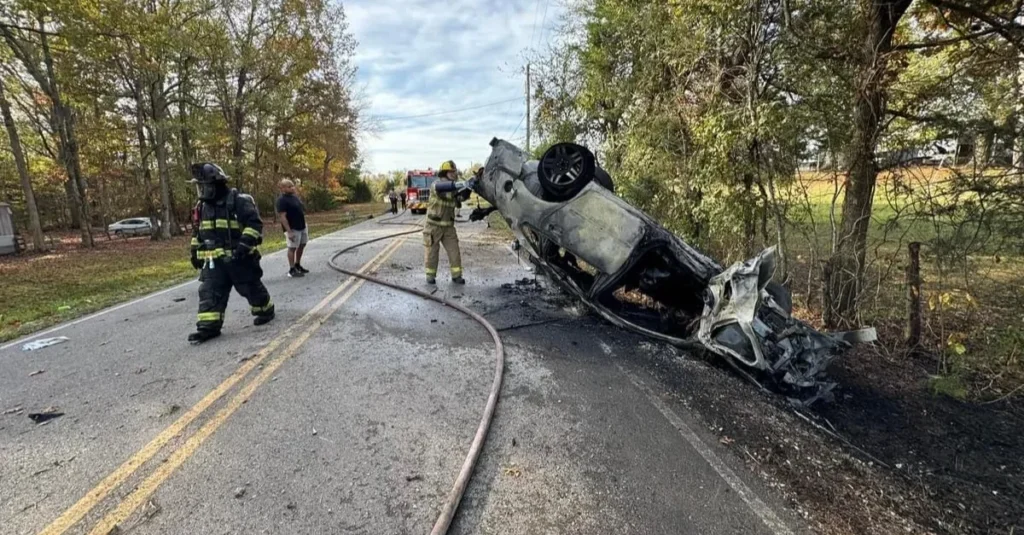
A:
x,y
527,107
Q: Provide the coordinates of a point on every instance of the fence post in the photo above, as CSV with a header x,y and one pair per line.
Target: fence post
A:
x,y
914,295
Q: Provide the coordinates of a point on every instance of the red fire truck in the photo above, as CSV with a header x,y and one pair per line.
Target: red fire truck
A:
x,y
417,189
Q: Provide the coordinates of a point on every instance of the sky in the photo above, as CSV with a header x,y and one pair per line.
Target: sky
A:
x,y
418,57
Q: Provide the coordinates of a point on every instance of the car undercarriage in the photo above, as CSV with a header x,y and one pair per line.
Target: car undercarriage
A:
x,y
636,274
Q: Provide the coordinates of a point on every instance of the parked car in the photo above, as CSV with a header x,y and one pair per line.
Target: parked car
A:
x,y
638,275
132,227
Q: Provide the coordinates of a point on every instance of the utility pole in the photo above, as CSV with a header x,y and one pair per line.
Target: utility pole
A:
x,y
527,107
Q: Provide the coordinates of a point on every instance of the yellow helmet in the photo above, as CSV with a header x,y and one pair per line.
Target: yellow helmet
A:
x,y
447,166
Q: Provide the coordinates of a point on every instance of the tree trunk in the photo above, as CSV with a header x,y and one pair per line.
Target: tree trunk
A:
x,y
983,143
26,182
238,119
158,112
749,214
914,295
185,134
1018,95
237,125
142,172
74,220
326,174
845,268
64,117
104,206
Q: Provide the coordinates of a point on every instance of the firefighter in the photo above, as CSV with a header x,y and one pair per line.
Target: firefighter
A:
x,y
440,223
226,228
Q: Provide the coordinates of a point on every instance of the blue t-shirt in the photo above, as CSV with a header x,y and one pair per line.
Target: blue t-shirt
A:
x,y
293,210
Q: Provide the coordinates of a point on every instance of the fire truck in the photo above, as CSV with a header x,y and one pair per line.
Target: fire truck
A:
x,y
417,189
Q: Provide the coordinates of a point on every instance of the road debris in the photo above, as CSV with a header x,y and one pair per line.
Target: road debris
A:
x,y
171,410
43,342
523,285
414,477
37,372
239,492
13,410
45,415
512,471
179,299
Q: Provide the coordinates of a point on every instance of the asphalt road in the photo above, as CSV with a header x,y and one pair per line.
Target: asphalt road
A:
x,y
352,413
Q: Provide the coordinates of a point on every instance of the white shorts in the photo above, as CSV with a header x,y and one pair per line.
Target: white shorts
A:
x,y
297,238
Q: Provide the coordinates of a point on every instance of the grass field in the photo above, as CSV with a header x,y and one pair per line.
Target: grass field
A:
x,y
973,282
40,290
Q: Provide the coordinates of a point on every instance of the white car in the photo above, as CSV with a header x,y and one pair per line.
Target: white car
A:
x,y
132,227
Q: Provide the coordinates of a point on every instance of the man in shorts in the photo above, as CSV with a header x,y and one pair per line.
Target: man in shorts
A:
x,y
292,216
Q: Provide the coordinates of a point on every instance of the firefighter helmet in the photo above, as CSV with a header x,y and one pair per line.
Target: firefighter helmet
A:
x,y
447,170
210,181
208,173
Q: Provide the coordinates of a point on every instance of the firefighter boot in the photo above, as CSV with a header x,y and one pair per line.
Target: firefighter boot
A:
x,y
203,335
263,319
458,280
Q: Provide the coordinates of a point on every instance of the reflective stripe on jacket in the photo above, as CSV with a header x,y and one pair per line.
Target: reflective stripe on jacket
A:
x,y
219,227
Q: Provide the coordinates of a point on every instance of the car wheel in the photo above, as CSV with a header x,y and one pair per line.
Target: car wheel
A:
x,y
565,169
117,233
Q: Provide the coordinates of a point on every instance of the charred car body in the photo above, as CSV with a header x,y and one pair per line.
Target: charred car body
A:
x,y
638,275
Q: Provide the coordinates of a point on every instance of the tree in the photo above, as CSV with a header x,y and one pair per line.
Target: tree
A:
x,y
876,25
28,36
19,160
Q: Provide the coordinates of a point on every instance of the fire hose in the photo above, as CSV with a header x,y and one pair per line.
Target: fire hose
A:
x,y
451,504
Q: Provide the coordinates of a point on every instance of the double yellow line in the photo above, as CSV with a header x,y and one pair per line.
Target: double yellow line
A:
x,y
305,326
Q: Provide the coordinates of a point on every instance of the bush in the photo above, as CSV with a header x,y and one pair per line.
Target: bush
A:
x,y
360,191
319,199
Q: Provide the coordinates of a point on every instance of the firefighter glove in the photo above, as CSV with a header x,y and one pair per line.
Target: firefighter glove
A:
x,y
240,252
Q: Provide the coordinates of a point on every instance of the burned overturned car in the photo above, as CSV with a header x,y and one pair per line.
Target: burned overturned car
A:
x,y
640,276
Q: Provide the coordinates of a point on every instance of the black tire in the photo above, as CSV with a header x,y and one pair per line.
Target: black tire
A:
x,y
565,169
604,179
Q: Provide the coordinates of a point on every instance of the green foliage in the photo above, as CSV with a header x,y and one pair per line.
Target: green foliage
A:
x,y
948,385
318,199
361,192
702,111
263,88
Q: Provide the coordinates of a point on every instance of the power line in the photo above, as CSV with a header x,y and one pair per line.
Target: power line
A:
x,y
533,32
450,111
521,119
543,30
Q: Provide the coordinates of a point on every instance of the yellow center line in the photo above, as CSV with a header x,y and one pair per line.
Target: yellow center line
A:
x,y
76,512
146,489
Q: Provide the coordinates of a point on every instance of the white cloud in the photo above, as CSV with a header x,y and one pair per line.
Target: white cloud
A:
x,y
419,57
